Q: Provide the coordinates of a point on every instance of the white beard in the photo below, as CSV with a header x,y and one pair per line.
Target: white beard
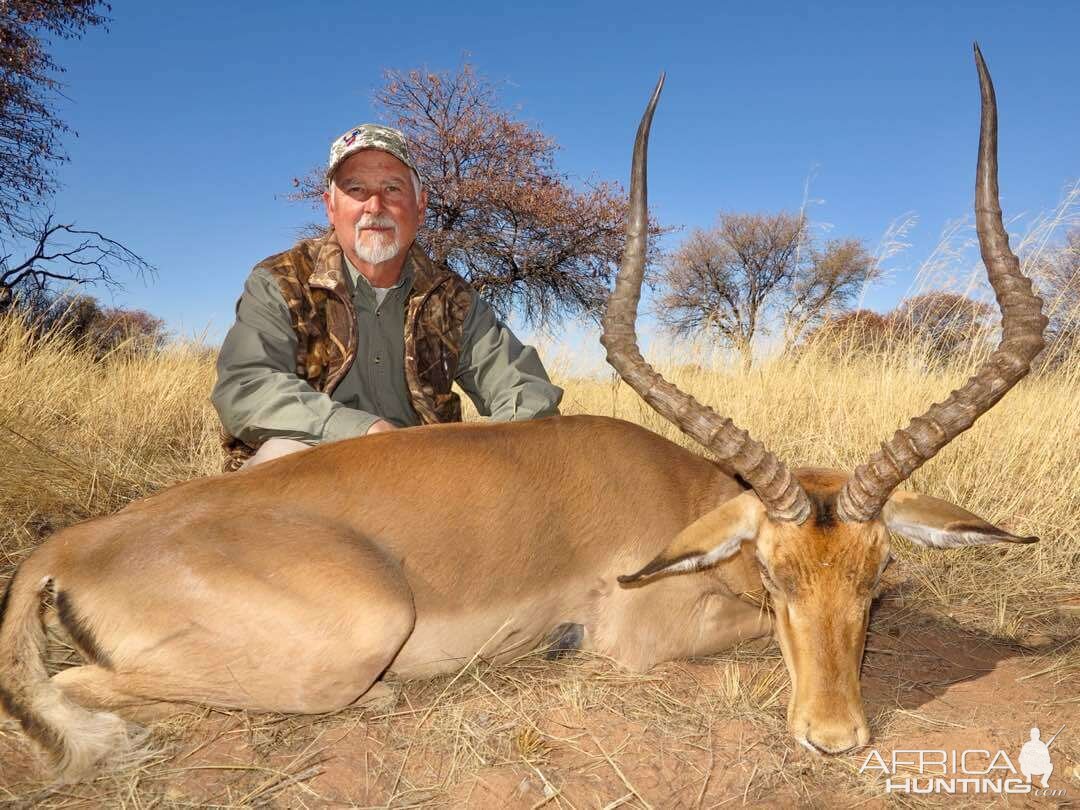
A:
x,y
374,247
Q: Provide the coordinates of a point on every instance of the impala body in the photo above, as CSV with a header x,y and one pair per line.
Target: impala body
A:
x,y
294,586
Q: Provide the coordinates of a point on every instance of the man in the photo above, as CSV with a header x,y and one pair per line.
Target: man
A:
x,y
358,332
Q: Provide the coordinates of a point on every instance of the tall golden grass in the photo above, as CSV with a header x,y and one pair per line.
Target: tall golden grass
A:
x,y
81,437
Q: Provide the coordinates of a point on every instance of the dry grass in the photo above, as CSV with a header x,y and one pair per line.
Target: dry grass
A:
x,y
81,439
1019,466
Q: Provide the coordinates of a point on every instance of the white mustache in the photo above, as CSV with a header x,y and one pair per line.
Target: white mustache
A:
x,y
375,221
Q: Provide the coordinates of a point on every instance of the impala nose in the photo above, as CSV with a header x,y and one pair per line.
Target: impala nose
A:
x,y
837,740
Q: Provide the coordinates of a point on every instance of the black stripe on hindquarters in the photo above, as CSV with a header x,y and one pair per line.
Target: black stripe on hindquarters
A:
x,y
79,632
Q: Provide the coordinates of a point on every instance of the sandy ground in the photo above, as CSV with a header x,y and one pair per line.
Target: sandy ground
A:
x,y
578,734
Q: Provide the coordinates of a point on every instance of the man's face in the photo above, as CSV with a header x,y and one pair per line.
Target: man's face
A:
x,y
373,208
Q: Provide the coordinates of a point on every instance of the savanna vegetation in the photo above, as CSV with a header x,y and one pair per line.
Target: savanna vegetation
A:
x,y
966,647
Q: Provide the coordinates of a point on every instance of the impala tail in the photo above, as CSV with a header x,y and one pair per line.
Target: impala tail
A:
x,y
74,738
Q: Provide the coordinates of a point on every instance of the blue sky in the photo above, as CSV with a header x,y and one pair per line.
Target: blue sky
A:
x,y
194,117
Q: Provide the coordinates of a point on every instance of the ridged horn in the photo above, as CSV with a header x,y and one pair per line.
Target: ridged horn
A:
x,y
779,491
1022,325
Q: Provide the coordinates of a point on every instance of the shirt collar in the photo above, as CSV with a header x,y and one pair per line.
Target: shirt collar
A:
x,y
360,282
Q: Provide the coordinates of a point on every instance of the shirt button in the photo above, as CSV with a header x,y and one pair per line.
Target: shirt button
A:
x,y
378,359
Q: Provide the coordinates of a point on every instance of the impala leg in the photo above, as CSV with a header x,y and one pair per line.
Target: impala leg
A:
x,y
278,614
97,688
310,635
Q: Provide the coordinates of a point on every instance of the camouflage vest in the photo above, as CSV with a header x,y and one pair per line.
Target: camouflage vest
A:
x,y
311,278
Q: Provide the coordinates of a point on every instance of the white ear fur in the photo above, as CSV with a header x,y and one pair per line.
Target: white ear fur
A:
x,y
935,523
699,561
713,537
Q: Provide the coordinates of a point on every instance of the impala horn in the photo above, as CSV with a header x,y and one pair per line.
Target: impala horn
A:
x,y
1022,325
779,491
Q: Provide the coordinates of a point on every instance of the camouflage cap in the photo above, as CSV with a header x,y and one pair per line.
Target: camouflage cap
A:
x,y
368,136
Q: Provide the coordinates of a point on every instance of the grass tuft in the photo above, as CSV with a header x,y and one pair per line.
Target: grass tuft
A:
x,y
81,438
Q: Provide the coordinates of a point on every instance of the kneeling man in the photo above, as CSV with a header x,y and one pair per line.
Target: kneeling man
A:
x,y
358,331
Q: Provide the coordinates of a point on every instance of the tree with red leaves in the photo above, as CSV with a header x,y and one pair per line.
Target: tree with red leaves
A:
x,y
102,330
859,332
940,322
945,322
499,212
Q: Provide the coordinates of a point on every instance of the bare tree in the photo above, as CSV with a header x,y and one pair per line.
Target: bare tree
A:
x,y
499,212
749,270
31,146
31,134
825,286
60,253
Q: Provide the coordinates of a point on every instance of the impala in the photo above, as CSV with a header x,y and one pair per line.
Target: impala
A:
x,y
295,586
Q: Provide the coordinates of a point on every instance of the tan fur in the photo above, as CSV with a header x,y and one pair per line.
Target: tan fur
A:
x,y
294,586
821,577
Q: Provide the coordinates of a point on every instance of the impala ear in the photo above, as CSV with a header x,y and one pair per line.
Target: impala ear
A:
x,y
711,538
939,524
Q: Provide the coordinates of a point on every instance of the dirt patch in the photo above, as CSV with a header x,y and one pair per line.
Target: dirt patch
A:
x,y
579,734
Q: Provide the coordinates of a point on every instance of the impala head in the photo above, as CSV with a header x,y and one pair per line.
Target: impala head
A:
x,y
821,537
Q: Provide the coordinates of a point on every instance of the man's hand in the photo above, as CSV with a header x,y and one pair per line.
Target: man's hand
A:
x,y
274,448
380,426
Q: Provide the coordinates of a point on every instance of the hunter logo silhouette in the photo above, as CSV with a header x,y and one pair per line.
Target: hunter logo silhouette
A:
x,y
1035,757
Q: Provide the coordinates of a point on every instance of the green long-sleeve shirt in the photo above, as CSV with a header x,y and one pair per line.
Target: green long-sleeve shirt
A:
x,y
258,395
